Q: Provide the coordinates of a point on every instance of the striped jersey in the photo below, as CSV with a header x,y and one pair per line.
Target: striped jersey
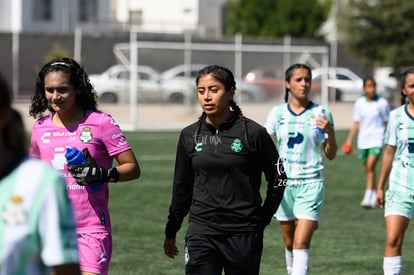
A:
x,y
37,228
371,116
400,133
296,140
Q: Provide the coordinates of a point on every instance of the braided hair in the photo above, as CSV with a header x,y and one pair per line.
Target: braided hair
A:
x,y
289,73
78,78
226,77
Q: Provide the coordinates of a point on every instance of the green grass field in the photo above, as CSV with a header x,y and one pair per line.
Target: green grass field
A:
x,y
349,240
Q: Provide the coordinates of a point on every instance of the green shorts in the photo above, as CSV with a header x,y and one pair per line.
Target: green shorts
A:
x,y
301,201
364,153
399,203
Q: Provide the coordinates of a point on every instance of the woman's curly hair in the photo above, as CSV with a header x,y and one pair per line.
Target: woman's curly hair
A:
x,y
78,78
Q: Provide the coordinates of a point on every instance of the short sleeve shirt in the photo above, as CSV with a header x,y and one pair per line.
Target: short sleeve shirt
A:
x,y
296,141
372,117
37,228
103,137
400,133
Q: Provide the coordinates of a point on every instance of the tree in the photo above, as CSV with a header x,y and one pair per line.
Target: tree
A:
x,y
379,31
276,18
57,51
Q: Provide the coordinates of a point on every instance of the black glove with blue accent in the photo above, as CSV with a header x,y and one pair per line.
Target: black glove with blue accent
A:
x,y
91,173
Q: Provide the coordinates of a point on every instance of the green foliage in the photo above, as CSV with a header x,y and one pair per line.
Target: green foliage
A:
x,y
379,31
349,241
56,52
276,18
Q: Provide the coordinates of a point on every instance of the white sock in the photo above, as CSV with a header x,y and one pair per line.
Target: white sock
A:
x,y
392,265
289,260
300,261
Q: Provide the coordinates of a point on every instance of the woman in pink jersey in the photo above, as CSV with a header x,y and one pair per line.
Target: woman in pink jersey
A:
x,y
64,92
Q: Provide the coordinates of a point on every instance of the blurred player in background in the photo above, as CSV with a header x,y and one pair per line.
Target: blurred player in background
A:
x,y
36,218
370,119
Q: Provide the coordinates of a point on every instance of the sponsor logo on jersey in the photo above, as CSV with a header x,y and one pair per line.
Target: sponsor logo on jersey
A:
x,y
45,138
198,147
294,138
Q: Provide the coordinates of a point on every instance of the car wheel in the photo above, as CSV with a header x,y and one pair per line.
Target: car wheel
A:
x,y
176,98
338,95
108,98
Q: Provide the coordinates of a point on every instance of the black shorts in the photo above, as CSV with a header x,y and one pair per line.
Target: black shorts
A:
x,y
236,254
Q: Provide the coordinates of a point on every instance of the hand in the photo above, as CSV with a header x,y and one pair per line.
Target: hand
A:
x,y
91,172
170,249
380,198
322,123
347,148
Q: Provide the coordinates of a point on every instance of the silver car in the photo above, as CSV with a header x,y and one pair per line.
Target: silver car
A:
x,y
112,86
181,80
345,84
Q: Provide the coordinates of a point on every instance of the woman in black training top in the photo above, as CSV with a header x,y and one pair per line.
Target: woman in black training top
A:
x,y
218,172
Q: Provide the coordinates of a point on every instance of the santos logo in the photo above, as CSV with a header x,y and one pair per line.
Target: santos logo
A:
x,y
45,138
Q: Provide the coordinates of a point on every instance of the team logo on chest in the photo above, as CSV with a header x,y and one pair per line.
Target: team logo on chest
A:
x,y
13,212
86,135
237,145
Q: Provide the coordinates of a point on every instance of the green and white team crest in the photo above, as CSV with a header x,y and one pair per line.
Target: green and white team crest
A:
x,y
237,145
13,212
86,135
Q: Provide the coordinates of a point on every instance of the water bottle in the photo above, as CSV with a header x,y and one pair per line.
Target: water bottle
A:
x,y
75,156
318,132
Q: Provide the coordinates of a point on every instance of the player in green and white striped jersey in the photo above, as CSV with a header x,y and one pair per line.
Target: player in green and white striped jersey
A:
x,y
398,166
37,230
303,132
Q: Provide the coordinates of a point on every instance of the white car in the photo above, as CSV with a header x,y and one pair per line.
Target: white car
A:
x,y
112,86
346,84
181,79
387,83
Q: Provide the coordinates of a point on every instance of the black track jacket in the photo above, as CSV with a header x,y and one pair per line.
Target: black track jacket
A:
x,y
217,179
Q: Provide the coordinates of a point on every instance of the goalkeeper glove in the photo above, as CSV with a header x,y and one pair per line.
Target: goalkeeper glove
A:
x,y
91,173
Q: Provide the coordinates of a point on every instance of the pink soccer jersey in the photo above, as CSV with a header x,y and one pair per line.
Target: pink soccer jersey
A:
x,y
102,136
